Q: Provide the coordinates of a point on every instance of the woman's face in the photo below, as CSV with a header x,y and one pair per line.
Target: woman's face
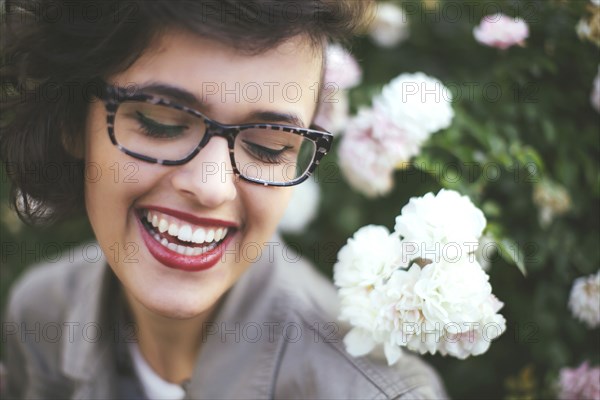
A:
x,y
203,194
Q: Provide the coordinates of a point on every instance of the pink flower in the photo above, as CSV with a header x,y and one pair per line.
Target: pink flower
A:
x,y
501,31
580,383
341,68
341,72
363,158
334,110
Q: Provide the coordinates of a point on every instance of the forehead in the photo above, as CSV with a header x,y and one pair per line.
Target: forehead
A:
x,y
216,73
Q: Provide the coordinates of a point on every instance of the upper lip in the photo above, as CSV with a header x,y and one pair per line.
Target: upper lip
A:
x,y
191,217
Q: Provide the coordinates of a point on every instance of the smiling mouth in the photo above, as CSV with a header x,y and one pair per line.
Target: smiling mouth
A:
x,y
181,237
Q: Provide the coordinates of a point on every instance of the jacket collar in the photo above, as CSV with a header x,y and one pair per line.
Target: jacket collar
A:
x,y
86,350
241,344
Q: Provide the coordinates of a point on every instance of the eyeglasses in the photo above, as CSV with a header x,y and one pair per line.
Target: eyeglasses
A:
x,y
156,130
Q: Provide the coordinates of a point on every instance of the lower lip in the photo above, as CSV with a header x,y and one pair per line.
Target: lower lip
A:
x,y
175,260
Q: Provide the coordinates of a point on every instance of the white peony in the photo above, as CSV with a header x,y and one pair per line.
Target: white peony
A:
x,y
362,308
302,208
445,226
369,256
432,306
417,103
453,291
399,144
476,341
390,25
443,307
584,300
358,306
363,159
378,140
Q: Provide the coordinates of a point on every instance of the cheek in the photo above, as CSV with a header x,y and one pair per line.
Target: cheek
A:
x,y
112,180
265,205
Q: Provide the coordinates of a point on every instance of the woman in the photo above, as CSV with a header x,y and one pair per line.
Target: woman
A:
x,y
189,122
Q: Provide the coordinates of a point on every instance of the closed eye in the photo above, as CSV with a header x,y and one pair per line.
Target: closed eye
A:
x,y
156,129
266,154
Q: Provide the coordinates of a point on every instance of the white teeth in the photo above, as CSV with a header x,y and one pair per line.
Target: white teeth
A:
x,y
173,229
185,233
210,235
199,236
163,225
185,250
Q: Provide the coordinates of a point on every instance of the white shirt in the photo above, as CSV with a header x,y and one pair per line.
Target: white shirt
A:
x,y
155,387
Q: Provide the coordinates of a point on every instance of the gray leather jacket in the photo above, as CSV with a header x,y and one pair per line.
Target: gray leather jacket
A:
x,y
275,335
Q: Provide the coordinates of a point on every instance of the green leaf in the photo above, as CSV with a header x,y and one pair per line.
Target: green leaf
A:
x,y
511,252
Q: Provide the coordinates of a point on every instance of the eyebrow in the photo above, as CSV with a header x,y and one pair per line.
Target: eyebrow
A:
x,y
271,116
184,96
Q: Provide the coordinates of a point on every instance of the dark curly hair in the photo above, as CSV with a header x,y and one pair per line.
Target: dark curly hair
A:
x,y
53,49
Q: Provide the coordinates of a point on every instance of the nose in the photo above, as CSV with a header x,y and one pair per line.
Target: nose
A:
x,y
209,176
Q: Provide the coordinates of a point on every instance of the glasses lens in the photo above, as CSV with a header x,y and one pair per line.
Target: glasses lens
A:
x,y
272,156
157,131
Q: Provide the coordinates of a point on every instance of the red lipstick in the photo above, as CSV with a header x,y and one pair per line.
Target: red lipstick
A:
x,y
175,260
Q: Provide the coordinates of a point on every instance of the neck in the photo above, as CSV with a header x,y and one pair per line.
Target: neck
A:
x,y
170,346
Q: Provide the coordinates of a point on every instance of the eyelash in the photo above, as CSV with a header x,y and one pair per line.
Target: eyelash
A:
x,y
155,129
267,155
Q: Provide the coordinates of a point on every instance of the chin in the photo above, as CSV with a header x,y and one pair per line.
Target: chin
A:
x,y
179,307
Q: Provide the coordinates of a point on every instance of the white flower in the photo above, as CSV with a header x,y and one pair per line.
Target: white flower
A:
x,y
453,292
595,96
363,307
303,207
334,110
501,31
476,341
379,140
359,342
341,68
430,306
399,143
584,300
363,159
390,25
405,306
368,257
446,225
358,306
444,307
417,103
